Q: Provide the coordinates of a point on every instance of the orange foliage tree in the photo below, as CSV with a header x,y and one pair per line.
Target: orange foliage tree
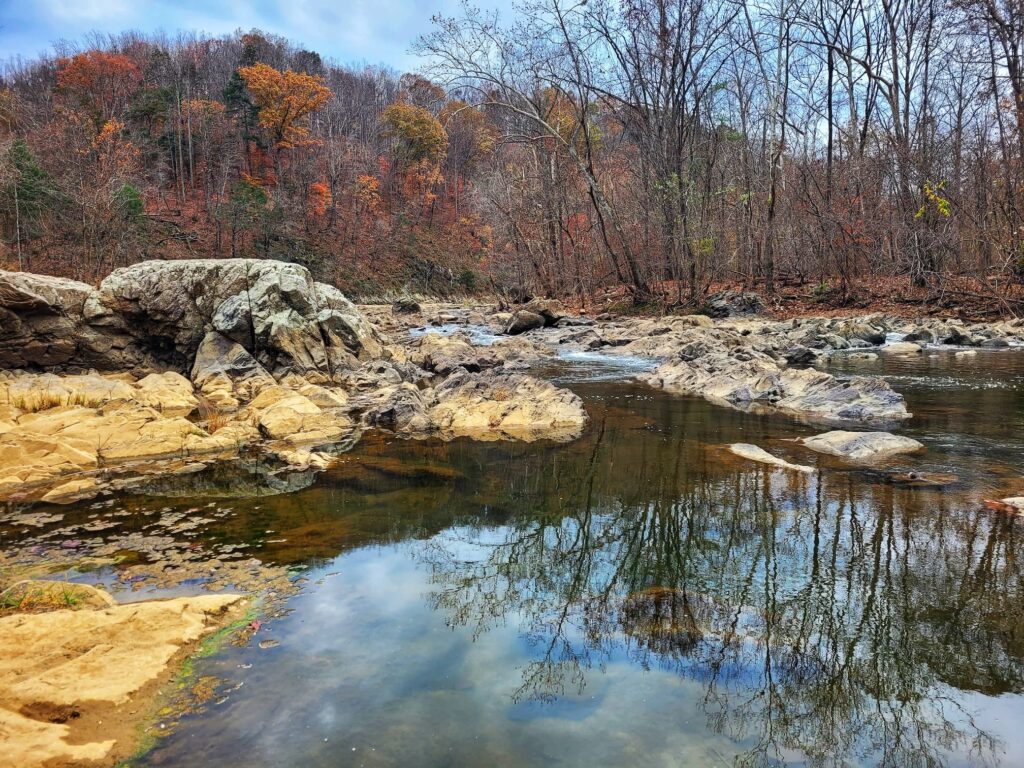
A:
x,y
101,83
285,100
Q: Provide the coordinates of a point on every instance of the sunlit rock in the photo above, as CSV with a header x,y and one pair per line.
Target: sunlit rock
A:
x,y
506,406
862,446
753,453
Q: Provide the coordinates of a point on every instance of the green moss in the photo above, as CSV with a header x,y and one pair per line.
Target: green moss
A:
x,y
184,679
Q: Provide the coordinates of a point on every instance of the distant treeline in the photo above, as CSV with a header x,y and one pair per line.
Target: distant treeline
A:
x,y
653,145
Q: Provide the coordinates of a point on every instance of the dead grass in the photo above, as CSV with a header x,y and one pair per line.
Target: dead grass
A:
x,y
211,416
34,401
41,596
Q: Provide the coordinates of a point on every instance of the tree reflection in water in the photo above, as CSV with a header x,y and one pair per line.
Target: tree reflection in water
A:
x,y
829,620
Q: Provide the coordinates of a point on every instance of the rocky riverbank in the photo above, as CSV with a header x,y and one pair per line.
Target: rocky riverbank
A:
x,y
742,362
169,367
74,679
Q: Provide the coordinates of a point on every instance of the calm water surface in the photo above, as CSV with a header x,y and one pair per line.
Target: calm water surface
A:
x,y
641,596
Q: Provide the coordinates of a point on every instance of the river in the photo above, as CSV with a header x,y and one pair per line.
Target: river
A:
x,y
637,597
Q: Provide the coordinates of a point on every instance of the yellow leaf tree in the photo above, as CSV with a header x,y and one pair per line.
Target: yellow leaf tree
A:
x,y
418,133
285,100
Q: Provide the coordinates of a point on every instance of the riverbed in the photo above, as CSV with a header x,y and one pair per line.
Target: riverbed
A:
x,y
637,596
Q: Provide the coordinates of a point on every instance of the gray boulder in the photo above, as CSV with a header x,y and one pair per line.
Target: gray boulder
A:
x,y
156,315
523,321
52,322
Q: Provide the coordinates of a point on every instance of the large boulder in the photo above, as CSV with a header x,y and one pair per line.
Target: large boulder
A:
x,y
446,354
551,310
273,310
523,321
52,322
156,315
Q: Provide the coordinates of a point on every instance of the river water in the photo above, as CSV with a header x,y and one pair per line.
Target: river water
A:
x,y
640,596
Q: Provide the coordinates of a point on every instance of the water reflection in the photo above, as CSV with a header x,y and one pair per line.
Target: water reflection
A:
x,y
824,618
638,596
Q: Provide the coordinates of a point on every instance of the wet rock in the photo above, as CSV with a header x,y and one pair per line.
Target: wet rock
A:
x,y
48,442
862,446
902,348
523,321
863,356
71,491
965,353
924,479
753,453
995,343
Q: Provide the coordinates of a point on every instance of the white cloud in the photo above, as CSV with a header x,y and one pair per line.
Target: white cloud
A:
x,y
375,31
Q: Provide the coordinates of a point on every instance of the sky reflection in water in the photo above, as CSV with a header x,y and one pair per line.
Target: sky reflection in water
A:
x,y
639,596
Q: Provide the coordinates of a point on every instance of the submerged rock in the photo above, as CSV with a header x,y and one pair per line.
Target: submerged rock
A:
x,y
861,446
752,452
924,479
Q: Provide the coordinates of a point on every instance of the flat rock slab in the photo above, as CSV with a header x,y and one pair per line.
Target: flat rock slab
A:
x,y
753,453
64,675
861,446
902,348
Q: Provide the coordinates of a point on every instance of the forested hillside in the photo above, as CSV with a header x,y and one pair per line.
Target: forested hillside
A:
x,y
653,147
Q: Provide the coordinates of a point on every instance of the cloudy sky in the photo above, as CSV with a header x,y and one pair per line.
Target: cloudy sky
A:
x,y
351,31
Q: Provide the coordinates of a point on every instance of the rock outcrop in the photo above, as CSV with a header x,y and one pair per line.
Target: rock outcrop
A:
x,y
205,359
506,405
744,378
155,315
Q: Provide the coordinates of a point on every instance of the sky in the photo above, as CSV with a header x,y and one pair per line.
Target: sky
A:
x,y
349,31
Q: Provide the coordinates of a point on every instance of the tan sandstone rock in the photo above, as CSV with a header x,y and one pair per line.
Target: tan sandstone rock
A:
x,y
506,406
68,677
